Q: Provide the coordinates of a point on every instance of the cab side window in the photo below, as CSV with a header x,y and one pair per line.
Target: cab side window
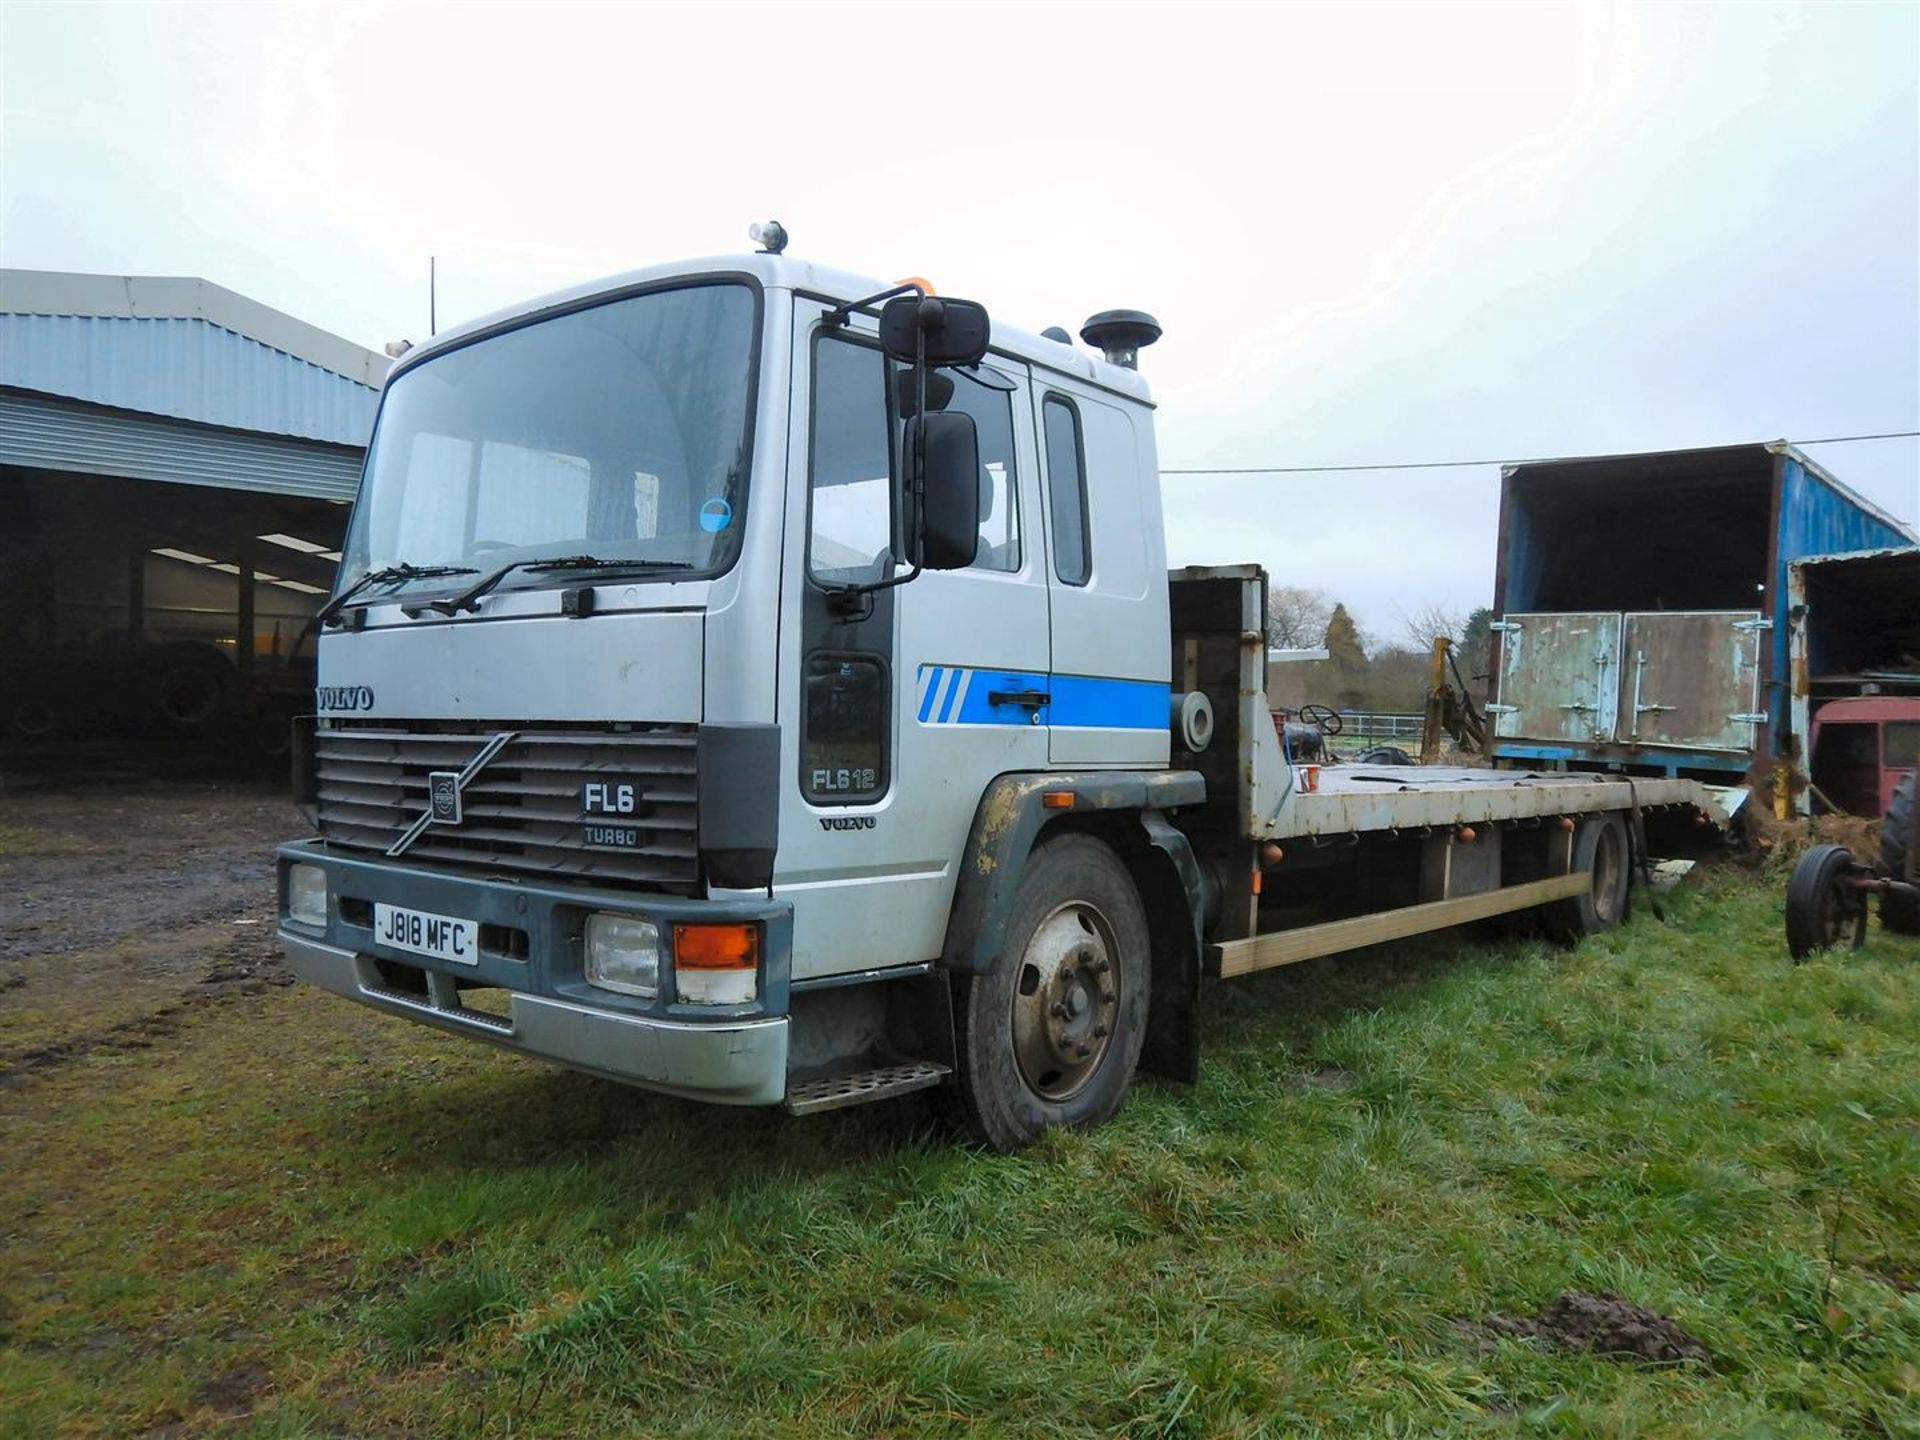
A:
x,y
991,407
850,519
1067,490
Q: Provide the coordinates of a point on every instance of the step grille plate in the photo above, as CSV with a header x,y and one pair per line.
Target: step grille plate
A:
x,y
809,1097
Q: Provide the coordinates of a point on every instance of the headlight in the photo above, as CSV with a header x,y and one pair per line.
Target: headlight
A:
x,y
623,954
307,895
716,964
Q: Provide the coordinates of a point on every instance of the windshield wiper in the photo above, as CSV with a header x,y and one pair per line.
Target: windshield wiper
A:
x,y
386,574
469,599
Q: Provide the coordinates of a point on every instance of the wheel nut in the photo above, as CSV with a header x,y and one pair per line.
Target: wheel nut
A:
x,y
1059,1011
1107,997
1085,1050
1099,1032
1102,965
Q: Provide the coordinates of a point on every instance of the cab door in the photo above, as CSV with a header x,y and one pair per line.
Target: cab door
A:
x,y
905,702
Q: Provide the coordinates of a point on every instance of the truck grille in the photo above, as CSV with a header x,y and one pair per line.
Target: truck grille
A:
x,y
522,812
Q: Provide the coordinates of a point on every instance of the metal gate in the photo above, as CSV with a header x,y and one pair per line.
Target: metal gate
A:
x,y
1692,678
1559,677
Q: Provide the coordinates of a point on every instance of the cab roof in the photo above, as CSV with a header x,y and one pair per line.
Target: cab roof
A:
x,y
780,272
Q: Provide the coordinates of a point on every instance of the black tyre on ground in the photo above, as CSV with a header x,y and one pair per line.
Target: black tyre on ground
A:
x,y
1051,1033
1384,755
1899,913
1824,912
1600,849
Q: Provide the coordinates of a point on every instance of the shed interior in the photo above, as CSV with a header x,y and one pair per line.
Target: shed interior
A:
x,y
140,606
1863,619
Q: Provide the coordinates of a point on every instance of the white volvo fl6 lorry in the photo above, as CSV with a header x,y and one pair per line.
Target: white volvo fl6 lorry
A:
x,y
752,683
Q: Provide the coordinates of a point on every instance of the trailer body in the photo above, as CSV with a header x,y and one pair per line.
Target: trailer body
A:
x,y
642,748
1644,607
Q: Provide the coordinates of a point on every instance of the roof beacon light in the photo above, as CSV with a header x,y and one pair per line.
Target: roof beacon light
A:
x,y
770,236
1121,335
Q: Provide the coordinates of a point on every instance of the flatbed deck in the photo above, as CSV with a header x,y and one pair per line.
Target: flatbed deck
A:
x,y
1360,799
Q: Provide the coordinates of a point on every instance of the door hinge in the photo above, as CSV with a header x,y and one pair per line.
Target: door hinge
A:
x,y
1502,626
1749,717
1501,709
1760,624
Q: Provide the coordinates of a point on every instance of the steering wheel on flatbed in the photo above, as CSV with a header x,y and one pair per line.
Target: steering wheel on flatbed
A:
x,y
1326,721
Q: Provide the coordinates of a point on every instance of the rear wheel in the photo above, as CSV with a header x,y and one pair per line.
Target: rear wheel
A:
x,y
1600,850
1824,912
1899,913
1051,1033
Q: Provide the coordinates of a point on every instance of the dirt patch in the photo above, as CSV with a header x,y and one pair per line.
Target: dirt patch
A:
x,y
128,902
1327,1077
1600,1324
246,964
233,1392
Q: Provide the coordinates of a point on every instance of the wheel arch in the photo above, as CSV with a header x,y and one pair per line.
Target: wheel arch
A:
x,y
1128,811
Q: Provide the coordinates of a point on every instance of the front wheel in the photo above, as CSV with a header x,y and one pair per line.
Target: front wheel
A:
x,y
1824,911
1050,1034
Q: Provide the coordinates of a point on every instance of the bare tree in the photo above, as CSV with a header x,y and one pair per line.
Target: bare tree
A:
x,y
1297,616
1423,626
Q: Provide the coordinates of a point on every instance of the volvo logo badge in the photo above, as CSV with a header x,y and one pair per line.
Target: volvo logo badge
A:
x,y
443,786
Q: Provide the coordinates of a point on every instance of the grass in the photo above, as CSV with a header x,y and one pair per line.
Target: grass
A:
x,y
301,1218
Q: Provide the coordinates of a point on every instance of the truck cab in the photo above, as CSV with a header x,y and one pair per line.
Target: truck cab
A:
x,y
631,716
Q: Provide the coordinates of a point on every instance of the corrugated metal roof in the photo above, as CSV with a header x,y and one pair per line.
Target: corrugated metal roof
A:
x,y
187,369
185,348
43,433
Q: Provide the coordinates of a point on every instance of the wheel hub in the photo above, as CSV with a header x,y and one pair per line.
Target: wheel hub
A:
x,y
1066,1001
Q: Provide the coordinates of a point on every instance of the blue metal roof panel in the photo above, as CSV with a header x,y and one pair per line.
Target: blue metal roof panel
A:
x,y
188,369
42,433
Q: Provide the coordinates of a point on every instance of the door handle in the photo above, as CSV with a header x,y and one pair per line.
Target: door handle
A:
x,y
1031,699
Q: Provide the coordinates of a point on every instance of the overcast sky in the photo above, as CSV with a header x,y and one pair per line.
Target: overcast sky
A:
x,y
1372,233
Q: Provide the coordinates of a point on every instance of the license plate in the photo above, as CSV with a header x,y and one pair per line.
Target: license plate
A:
x,y
444,937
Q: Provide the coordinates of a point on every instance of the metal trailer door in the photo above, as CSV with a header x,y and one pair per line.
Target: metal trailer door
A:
x,y
1559,677
1692,678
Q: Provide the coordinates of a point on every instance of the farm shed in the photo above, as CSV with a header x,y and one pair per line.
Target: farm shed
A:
x,y
176,463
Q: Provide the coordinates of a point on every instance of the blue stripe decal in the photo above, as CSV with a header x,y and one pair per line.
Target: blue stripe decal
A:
x,y
932,684
954,687
959,695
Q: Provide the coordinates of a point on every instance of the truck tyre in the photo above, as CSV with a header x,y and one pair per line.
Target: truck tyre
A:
x,y
1600,849
1899,913
1050,1034
1823,911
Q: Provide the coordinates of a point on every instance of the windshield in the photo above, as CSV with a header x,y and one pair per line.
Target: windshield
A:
x,y
619,431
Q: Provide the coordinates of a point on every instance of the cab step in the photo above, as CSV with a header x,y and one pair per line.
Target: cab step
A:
x,y
834,1092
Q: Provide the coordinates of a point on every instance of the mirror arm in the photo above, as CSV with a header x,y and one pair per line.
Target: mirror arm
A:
x,y
840,314
847,599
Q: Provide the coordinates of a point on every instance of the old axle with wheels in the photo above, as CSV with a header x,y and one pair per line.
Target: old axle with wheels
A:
x,y
1827,892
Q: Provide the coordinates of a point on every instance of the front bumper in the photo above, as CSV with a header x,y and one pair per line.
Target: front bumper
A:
x,y
733,1055
732,1062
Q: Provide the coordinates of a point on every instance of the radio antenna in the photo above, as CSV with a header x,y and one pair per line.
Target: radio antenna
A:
x,y
433,314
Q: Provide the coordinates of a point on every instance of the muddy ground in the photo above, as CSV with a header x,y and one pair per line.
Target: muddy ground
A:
x,y
136,884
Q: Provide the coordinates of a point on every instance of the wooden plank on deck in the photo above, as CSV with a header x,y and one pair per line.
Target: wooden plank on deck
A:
x,y
1307,942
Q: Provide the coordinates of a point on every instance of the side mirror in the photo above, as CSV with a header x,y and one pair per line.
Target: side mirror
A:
x,y
954,332
940,506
